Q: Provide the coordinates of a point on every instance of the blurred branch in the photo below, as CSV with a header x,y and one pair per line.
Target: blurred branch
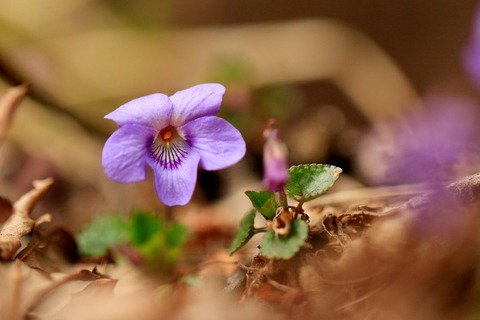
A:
x,y
12,77
93,67
8,105
363,194
465,190
62,140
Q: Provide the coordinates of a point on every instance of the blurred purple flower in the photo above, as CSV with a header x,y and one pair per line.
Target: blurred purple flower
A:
x,y
471,54
434,145
172,135
275,163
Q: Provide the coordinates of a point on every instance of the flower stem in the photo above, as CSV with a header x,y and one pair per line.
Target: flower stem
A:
x,y
168,213
299,207
258,230
282,198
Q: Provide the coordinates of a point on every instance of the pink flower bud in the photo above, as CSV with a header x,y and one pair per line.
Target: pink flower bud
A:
x,y
275,163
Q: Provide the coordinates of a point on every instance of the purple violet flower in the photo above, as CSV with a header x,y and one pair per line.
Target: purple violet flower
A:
x,y
172,135
471,53
275,163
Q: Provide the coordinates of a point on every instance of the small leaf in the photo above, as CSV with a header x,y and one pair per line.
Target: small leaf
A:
x,y
102,234
308,181
285,247
264,202
154,247
144,226
244,233
176,235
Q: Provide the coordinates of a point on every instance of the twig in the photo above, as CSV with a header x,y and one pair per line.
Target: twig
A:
x,y
240,264
83,275
8,104
367,193
17,279
344,282
20,223
358,300
282,287
465,190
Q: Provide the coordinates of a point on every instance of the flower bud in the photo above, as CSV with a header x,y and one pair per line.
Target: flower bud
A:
x,y
275,163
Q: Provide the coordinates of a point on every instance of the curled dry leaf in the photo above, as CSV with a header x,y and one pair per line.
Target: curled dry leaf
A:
x,y
20,223
54,250
281,223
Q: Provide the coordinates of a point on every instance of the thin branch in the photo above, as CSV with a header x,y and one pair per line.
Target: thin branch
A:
x,y
361,194
465,190
17,279
82,275
358,300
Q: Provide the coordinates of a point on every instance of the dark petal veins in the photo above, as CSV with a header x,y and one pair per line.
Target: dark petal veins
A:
x,y
175,173
169,156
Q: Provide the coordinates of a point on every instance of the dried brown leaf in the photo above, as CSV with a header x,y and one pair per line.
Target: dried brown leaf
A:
x,y
20,223
51,251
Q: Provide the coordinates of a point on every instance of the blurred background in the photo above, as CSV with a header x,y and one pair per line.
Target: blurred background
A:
x,y
334,73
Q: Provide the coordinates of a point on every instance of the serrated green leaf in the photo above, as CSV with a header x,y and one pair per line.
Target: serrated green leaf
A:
x,y
102,234
264,202
308,181
284,247
244,233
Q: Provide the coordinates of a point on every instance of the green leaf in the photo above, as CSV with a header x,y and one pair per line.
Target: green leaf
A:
x,y
154,247
143,227
308,181
264,202
244,233
285,247
102,234
176,235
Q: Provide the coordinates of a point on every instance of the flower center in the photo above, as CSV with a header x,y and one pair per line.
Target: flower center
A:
x,y
166,133
168,148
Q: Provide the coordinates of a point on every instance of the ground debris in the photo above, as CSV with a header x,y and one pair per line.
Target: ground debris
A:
x,y
377,261
19,223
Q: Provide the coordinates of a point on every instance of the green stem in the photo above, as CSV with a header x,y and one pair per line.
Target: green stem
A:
x,y
282,198
258,230
168,213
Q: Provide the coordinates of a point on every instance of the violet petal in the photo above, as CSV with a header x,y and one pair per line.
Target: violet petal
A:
x,y
123,157
175,185
218,143
198,101
154,110
471,53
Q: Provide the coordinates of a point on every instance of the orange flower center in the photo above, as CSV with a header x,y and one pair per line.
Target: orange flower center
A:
x,y
166,133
